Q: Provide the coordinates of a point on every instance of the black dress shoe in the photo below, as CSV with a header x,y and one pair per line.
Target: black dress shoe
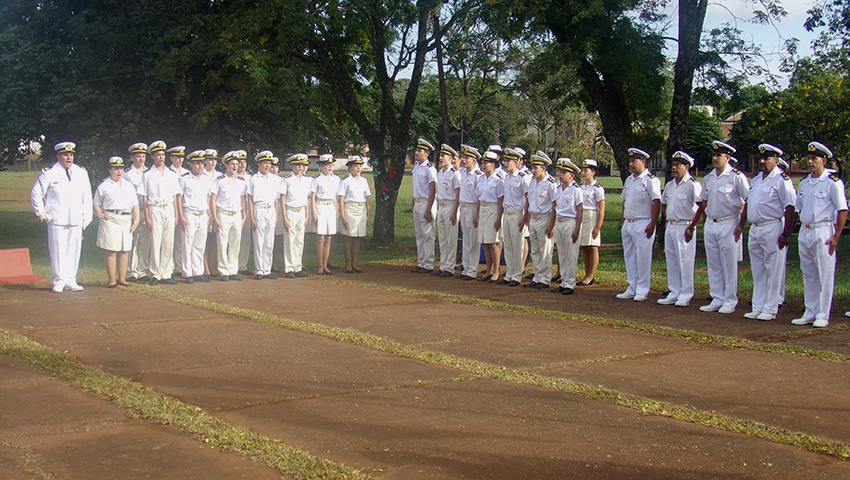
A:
x,y
416,269
269,277
557,279
167,281
557,290
467,278
502,281
446,274
225,278
426,271
540,286
459,276
245,272
568,291
529,285
202,279
514,283
436,272
258,277
153,281
583,284
302,274
235,278
288,275
529,276
189,280
482,279
114,285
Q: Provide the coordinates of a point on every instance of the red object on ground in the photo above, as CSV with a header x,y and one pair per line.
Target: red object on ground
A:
x,y
15,267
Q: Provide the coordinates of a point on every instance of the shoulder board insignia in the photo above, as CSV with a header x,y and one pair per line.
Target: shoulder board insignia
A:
x,y
785,176
552,179
834,177
242,178
735,170
45,169
221,176
651,175
81,167
187,173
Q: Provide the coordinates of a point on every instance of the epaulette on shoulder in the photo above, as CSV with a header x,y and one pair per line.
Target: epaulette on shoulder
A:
x,y
736,171
552,179
241,178
785,176
45,169
834,177
651,175
185,174
221,176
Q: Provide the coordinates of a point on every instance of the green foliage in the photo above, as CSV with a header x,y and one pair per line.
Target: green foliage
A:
x,y
704,129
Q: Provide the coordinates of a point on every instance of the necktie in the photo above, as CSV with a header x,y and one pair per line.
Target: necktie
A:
x,y
68,171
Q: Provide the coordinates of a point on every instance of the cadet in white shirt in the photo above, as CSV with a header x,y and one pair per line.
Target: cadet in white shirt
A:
x,y
723,198
138,268
470,174
568,213
193,205
641,205
229,210
175,158
296,195
62,198
822,206
679,203
593,214
263,189
354,208
513,219
423,207
117,207
540,197
770,211
159,188
488,217
448,202
245,245
323,192
210,162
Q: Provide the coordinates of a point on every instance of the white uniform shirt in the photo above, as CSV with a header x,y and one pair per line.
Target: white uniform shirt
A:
x,y
567,200
211,174
69,201
112,195
725,192
297,190
468,183
355,190
229,193
134,176
159,187
179,171
500,172
541,195
196,192
638,195
448,182
424,174
326,187
490,189
593,194
265,188
769,196
681,199
515,188
820,199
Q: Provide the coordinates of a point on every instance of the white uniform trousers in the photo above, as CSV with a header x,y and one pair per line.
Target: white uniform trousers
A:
x,y
540,248
263,239
680,257
721,253
64,243
293,240
567,250
425,233
162,241
245,245
179,250
818,268
447,234
229,240
767,264
140,257
514,241
471,246
637,252
194,243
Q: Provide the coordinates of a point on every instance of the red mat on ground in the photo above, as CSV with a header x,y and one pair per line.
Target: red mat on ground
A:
x,y
15,267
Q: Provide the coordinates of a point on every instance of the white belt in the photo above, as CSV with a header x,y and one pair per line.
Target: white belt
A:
x,y
194,212
678,222
295,208
564,219
158,204
489,204
419,200
325,202
767,222
538,216
359,204
817,225
467,204
512,212
632,220
227,212
444,203
263,205
723,219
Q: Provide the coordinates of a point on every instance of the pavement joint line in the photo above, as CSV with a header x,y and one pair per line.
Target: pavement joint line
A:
x,y
113,324
141,402
58,299
30,460
84,427
690,335
606,359
836,449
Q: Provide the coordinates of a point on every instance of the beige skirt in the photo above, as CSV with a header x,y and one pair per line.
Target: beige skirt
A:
x,y
326,214
113,234
487,232
588,222
355,214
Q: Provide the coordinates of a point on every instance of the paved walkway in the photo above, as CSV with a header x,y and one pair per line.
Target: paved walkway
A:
x,y
400,412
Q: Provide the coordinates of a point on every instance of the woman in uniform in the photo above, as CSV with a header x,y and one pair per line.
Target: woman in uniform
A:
x,y
322,210
591,220
353,198
117,207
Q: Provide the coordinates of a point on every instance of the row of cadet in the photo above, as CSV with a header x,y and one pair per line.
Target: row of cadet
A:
x,y
187,213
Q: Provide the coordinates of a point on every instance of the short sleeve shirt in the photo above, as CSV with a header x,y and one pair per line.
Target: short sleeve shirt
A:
x,y
769,196
638,194
725,192
541,195
681,199
819,199
568,199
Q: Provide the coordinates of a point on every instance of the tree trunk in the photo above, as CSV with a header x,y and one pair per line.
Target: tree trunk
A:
x,y
387,184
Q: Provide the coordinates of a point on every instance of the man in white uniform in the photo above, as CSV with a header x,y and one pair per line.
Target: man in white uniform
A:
x,y
540,195
469,176
263,189
193,205
423,208
770,211
822,206
679,202
246,249
723,198
641,205
175,158
293,201
159,189
138,268
513,218
448,202
62,198
229,215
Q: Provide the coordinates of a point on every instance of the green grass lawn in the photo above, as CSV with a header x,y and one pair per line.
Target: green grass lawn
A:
x,y
20,228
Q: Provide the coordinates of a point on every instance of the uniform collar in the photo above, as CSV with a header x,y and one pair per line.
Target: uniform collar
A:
x,y
726,171
684,179
644,173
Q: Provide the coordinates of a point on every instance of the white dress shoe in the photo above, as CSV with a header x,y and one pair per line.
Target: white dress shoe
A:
x,y
682,303
625,296
640,298
58,287
725,309
802,321
765,316
752,315
74,287
820,323
666,301
847,314
710,308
